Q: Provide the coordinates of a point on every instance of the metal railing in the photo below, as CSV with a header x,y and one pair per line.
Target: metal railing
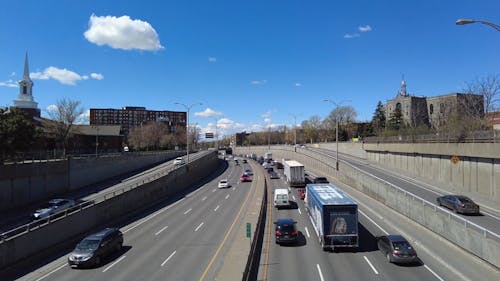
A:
x,y
117,190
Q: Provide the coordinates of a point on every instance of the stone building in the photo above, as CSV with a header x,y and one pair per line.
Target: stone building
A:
x,y
434,111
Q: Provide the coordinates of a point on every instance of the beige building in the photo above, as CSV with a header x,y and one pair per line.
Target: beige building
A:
x,y
433,111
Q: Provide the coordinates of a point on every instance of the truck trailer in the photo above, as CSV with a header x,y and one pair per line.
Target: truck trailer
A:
x,y
294,173
334,216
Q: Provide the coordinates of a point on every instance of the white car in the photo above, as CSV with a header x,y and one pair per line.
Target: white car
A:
x,y
178,161
54,206
223,183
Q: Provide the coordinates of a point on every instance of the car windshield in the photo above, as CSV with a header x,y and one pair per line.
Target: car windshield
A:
x,y
401,245
464,200
286,227
88,245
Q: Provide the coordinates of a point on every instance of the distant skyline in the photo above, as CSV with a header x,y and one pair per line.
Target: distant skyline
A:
x,y
252,65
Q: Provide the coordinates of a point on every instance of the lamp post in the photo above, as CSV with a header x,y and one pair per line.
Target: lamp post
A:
x,y
294,128
188,108
468,21
337,105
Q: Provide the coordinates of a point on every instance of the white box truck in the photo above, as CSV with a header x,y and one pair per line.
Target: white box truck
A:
x,y
268,156
294,173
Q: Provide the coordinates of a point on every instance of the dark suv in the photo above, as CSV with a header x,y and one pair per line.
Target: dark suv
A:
x,y
320,180
93,248
285,231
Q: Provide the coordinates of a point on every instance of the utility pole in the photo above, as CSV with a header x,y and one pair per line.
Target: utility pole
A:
x,y
337,105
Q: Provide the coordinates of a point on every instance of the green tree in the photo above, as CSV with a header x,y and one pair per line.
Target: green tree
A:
x,y
17,132
379,120
396,120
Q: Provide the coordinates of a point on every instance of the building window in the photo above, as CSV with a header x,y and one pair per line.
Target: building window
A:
x,y
25,90
431,108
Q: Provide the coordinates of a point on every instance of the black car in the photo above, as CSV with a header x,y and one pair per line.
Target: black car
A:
x,y
320,180
459,204
244,161
286,231
397,249
274,175
93,248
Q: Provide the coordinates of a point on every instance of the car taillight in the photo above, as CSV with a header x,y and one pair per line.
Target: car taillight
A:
x,y
278,233
295,232
463,205
395,253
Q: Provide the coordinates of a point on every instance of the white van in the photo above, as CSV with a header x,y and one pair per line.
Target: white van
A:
x,y
281,198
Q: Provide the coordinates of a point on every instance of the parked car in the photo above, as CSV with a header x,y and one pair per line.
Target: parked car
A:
x,y
459,204
397,249
320,180
274,175
93,248
223,183
52,207
286,231
245,178
178,161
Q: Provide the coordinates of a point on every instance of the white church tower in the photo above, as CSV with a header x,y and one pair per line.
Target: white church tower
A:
x,y
25,99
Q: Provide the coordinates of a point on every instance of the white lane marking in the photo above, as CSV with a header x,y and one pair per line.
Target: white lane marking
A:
x,y
204,198
152,216
227,196
289,189
293,196
433,273
371,265
320,273
169,257
198,227
160,231
383,230
186,212
234,188
300,212
307,232
214,190
216,208
111,265
53,271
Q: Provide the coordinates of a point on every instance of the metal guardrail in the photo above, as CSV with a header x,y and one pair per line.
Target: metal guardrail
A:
x,y
127,186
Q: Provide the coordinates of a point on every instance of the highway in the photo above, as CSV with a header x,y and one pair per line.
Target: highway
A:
x,y
440,259
177,242
429,192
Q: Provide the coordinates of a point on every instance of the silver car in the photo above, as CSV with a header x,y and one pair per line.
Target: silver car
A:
x,y
52,207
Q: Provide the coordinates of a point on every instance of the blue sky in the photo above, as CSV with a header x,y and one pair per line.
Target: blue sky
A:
x,y
252,64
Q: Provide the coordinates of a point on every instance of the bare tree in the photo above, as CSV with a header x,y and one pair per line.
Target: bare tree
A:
x,y
489,88
63,118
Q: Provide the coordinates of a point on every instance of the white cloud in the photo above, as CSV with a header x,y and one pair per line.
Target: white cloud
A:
x,y
51,108
212,59
9,83
350,36
225,127
208,113
84,118
365,28
13,74
258,82
64,75
97,76
122,33
267,114
298,84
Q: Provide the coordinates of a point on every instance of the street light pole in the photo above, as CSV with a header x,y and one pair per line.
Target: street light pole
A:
x,y
337,105
188,108
468,21
294,128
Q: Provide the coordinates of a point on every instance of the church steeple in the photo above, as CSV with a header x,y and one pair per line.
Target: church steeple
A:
x,y
403,92
25,97
26,75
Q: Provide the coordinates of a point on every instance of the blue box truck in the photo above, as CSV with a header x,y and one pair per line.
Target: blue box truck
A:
x,y
334,216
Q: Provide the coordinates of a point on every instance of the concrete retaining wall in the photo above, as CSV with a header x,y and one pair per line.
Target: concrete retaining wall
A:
x,y
23,184
452,227
62,233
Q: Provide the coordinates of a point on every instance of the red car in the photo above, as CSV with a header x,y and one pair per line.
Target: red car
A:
x,y
245,178
302,193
